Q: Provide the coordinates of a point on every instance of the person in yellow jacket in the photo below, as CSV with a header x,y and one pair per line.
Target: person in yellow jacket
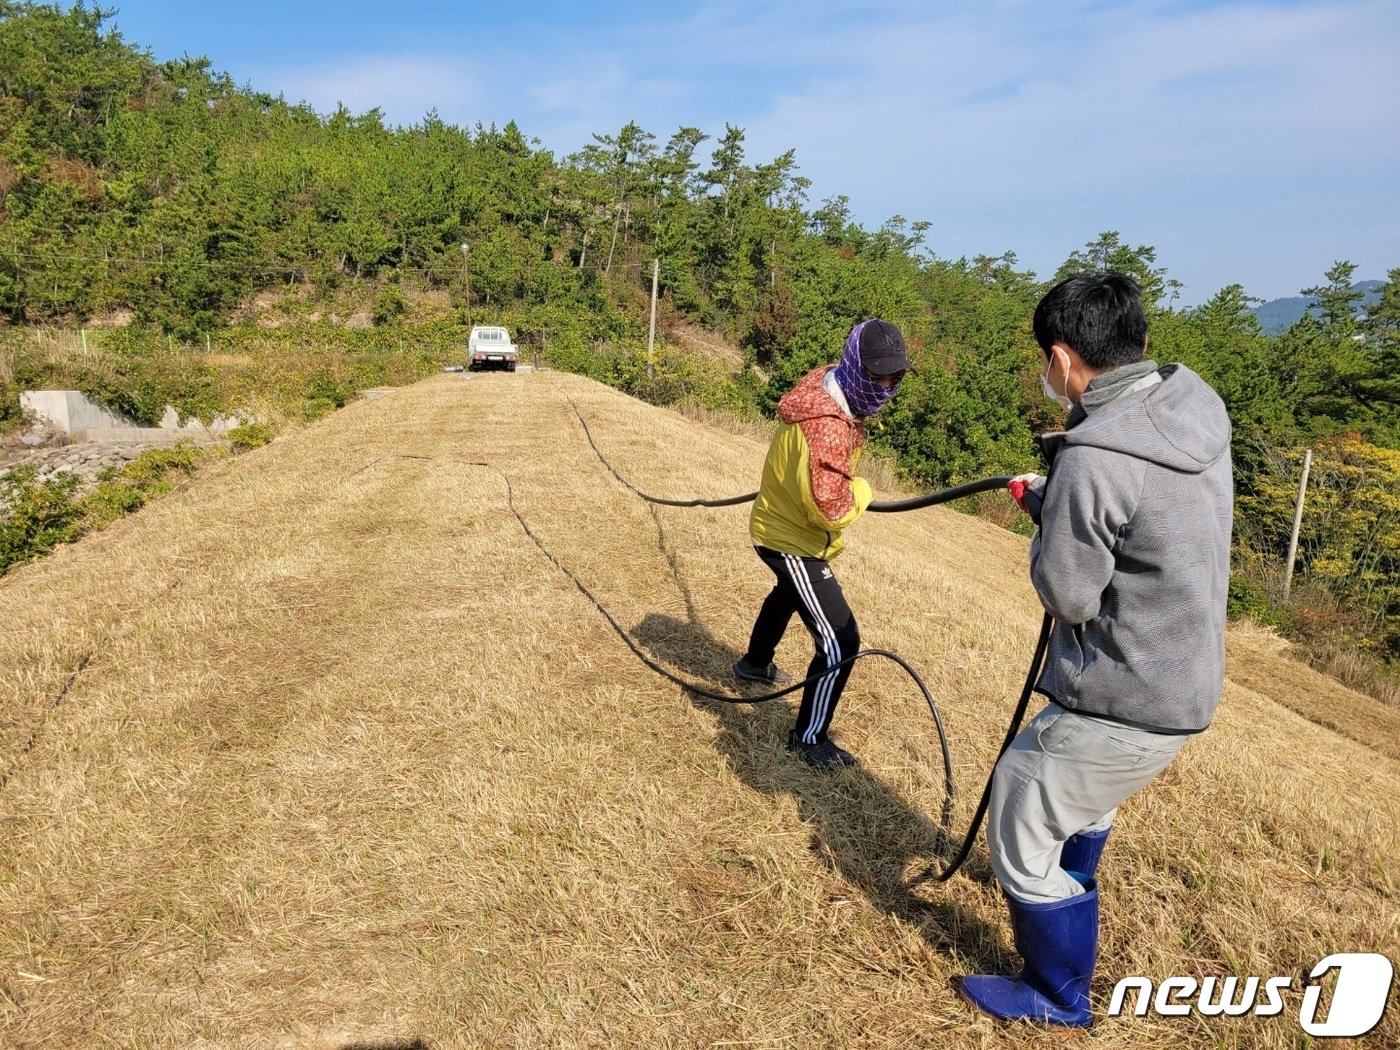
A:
x,y
808,496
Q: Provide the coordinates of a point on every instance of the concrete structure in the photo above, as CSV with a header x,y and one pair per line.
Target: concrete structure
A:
x,y
219,424
71,413
68,411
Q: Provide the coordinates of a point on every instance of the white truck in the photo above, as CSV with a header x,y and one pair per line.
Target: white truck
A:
x,y
490,347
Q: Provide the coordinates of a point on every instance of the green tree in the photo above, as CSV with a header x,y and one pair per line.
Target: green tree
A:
x,y
1108,254
1222,341
1338,299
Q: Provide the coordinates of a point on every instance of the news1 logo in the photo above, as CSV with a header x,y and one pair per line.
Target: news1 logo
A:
x,y
1359,996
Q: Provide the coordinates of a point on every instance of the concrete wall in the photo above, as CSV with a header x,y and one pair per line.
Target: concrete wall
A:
x,y
69,412
219,424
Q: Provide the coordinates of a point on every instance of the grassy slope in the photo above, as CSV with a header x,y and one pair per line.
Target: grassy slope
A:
x,y
352,764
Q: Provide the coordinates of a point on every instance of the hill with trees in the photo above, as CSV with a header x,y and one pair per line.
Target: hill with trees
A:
x,y
162,197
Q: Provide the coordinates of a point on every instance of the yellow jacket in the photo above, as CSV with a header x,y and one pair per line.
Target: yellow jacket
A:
x,y
809,492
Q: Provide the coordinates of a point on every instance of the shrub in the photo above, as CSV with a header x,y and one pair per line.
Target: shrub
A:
x,y
249,435
1249,598
10,414
110,500
389,304
159,469
38,515
676,374
316,408
325,385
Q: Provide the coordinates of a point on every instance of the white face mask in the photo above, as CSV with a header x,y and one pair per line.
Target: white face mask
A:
x,y
1060,399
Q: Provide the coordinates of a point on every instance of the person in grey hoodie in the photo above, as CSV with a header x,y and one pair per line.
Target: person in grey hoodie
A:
x,y
1132,559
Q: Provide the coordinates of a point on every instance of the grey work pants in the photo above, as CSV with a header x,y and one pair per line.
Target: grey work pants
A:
x,y
1063,774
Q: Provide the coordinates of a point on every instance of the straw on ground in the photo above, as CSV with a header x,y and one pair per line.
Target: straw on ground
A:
x,y
350,763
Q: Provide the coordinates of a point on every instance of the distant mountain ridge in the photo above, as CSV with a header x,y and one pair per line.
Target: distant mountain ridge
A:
x,y
1279,315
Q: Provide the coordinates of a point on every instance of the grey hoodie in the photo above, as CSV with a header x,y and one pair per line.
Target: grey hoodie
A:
x,y
1133,553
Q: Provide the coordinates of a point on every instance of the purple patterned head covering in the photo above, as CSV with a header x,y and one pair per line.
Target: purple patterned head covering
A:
x,y
864,397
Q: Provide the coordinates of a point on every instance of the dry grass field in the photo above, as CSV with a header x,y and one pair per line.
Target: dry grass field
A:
x,y
322,752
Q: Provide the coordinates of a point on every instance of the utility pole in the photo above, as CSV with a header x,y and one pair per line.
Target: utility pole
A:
x,y
1297,525
467,281
651,330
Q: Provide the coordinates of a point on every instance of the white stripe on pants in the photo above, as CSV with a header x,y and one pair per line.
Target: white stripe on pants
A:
x,y
825,638
807,586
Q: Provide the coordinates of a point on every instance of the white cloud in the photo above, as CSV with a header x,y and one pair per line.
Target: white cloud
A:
x,y
1008,123
1197,130
404,87
986,107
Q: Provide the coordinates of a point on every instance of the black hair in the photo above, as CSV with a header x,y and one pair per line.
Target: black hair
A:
x,y
1098,314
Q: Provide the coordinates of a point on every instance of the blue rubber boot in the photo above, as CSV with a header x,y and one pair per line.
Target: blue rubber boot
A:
x,y
1059,943
1082,851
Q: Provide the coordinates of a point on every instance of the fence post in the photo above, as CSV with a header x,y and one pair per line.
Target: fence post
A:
x,y
651,330
1297,525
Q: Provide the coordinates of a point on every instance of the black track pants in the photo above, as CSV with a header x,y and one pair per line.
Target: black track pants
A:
x,y
808,587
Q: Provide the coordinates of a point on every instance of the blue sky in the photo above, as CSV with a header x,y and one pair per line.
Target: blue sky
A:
x,y
1248,142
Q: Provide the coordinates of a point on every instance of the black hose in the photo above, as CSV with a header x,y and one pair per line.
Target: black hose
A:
x,y
710,694
967,488
889,507
896,506
731,501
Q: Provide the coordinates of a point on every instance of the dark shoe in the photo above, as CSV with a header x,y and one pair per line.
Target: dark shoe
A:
x,y
1059,943
823,754
1082,852
770,675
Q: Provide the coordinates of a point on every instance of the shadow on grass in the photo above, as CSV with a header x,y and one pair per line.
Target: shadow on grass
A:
x,y
864,828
